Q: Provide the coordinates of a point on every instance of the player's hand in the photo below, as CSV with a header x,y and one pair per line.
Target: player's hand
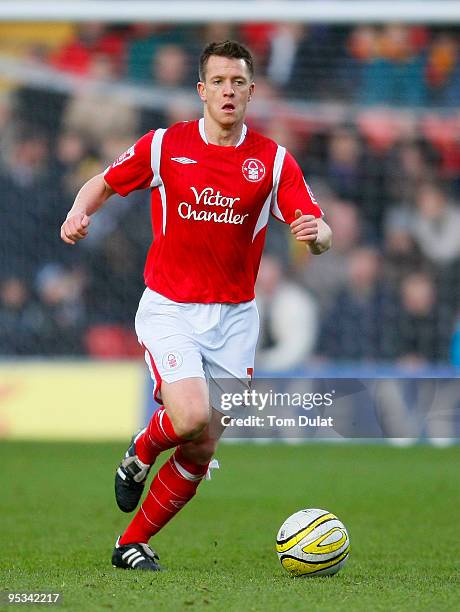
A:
x,y
75,228
304,227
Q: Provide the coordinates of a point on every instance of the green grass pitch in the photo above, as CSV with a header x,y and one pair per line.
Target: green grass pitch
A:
x,y
400,505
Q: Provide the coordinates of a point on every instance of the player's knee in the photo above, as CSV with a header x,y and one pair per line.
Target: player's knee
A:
x,y
190,423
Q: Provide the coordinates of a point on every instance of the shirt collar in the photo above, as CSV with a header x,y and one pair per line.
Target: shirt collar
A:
x,y
203,133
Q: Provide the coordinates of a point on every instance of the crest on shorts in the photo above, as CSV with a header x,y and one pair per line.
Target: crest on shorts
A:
x,y
253,170
172,360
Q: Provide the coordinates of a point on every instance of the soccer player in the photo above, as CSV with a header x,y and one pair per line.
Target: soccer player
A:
x,y
213,184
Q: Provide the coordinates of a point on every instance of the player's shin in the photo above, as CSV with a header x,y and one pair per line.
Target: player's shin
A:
x,y
159,435
174,485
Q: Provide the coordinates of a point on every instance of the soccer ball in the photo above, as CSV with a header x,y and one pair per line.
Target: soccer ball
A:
x,y
312,542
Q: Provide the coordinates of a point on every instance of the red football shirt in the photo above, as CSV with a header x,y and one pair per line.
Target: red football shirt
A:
x,y
210,207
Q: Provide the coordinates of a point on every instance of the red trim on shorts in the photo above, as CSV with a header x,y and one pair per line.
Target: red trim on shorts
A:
x,y
158,379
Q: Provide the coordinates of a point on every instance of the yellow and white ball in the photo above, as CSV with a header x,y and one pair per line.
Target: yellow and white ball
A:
x,y
312,542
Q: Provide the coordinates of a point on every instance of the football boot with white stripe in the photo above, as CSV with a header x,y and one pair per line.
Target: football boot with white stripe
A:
x,y
130,478
135,556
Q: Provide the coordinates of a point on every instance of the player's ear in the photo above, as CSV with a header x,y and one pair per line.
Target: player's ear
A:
x,y
251,91
201,89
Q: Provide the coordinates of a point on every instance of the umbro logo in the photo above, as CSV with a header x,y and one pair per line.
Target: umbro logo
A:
x,y
184,160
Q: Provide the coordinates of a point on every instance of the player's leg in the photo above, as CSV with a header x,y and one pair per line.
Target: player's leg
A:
x,y
186,415
177,480
202,449
174,361
175,484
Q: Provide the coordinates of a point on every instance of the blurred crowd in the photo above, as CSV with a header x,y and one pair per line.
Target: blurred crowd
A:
x,y
387,177
387,64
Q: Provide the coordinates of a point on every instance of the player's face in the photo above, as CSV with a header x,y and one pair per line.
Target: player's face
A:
x,y
226,90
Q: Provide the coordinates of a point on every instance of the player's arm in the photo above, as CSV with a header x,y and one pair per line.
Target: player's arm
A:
x,y
89,199
315,232
131,171
295,204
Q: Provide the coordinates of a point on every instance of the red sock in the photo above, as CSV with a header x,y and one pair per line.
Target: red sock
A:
x,y
174,485
158,436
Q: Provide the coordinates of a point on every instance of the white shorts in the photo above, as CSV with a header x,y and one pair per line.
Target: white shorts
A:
x,y
183,340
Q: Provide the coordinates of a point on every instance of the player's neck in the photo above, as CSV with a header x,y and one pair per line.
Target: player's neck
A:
x,y
221,135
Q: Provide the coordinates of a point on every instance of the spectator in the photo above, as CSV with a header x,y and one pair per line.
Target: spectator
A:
x,y
422,337
116,271
62,310
443,70
170,67
285,41
19,319
436,224
92,39
257,37
325,276
356,175
143,45
30,200
395,74
361,48
360,325
305,60
402,254
83,112
288,319
70,151
410,162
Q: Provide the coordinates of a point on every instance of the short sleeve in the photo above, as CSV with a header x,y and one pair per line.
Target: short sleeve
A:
x,y
133,169
292,193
